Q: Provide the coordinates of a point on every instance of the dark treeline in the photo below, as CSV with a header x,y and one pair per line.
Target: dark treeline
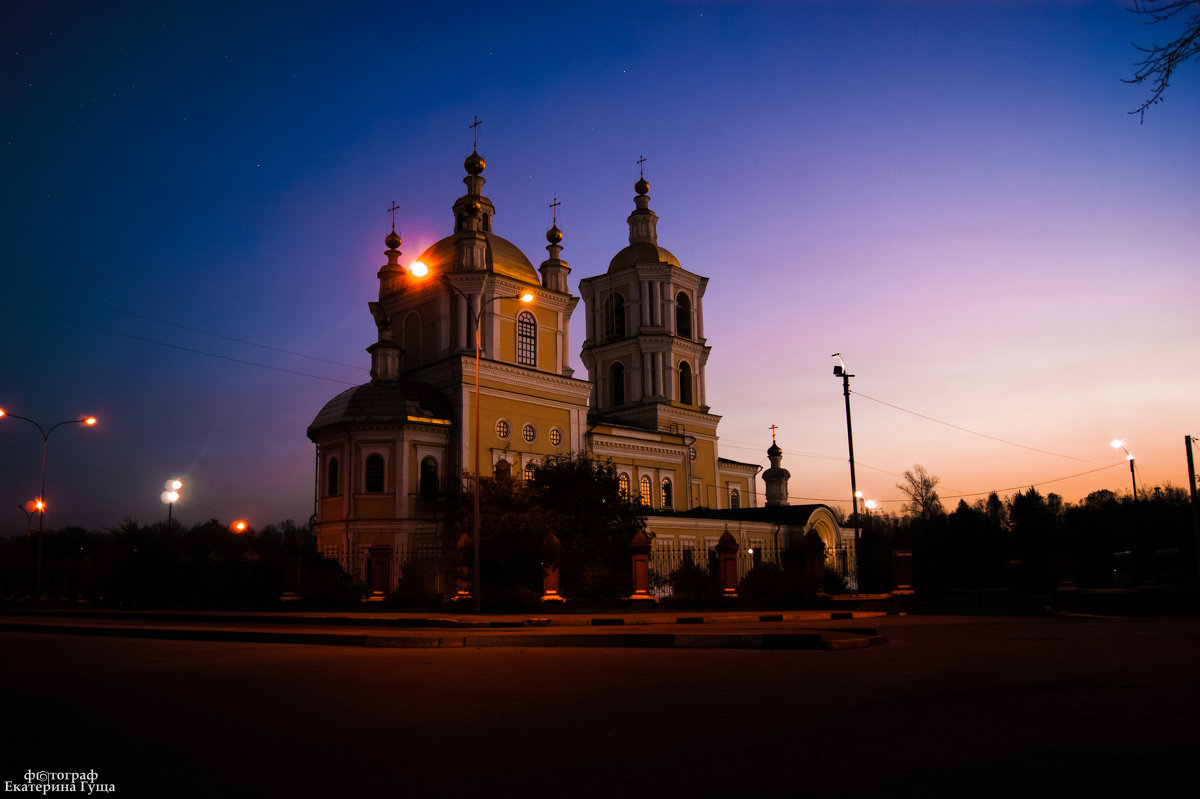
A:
x,y
205,565
1032,543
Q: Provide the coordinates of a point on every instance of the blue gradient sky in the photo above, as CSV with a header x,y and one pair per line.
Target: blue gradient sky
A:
x,y
952,195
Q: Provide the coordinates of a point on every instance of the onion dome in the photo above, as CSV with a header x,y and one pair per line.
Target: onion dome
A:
x,y
392,240
642,187
474,163
554,235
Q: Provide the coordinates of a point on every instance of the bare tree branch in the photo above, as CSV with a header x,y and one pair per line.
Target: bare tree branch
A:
x,y
1161,60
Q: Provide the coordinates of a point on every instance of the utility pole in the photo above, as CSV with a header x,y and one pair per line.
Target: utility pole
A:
x,y
1188,443
840,371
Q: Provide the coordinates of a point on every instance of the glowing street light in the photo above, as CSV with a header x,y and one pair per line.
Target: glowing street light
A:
x,y
87,421
171,496
1119,444
421,271
240,526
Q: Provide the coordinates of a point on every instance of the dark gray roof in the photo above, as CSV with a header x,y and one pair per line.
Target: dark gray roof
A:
x,y
383,402
776,514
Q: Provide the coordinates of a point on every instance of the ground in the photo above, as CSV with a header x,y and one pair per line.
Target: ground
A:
x,y
949,706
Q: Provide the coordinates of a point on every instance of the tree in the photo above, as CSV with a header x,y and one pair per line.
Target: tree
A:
x,y
919,485
1161,60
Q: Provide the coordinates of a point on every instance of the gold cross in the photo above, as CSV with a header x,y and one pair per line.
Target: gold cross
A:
x,y
641,161
392,211
554,207
773,429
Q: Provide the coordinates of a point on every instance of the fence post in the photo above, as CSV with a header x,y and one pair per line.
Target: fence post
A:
x,y
727,567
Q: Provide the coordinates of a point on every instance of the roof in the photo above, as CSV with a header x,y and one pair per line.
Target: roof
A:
x,y
383,402
503,258
642,252
796,515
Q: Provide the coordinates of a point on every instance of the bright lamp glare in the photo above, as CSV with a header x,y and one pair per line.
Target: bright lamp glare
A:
x,y
418,269
89,421
527,297
1117,443
173,485
169,496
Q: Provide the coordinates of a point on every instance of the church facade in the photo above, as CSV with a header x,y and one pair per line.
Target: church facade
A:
x,y
390,451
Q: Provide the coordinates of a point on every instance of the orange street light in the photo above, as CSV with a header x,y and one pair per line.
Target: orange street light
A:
x,y
171,496
421,271
239,526
89,421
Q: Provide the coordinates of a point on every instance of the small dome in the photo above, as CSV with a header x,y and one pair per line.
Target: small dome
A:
x,y
474,163
642,252
554,235
392,240
382,401
642,187
774,450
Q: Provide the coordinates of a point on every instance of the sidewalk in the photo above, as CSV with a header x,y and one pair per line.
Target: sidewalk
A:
x,y
816,630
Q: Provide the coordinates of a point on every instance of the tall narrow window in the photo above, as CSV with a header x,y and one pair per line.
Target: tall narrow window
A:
x,y
685,383
429,478
623,485
616,380
373,474
644,493
526,339
502,469
735,498
666,493
683,315
331,485
614,316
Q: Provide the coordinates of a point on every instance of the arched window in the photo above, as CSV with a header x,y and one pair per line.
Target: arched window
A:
x,y
623,485
526,339
666,493
735,498
616,381
614,316
373,474
429,478
502,469
683,315
412,333
331,477
685,383
528,472
644,496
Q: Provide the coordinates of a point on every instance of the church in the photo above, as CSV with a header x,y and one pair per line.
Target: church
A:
x,y
391,451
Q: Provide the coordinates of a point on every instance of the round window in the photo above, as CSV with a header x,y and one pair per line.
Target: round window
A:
x,y
528,433
691,453
502,429
555,436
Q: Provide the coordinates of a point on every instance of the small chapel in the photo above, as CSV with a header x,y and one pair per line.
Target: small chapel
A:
x,y
391,451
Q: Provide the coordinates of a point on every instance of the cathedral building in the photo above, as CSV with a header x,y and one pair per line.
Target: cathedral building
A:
x,y
390,451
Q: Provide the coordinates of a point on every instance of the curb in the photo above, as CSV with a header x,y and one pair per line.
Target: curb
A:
x,y
772,640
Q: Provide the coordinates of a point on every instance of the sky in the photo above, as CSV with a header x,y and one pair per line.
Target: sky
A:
x,y
951,195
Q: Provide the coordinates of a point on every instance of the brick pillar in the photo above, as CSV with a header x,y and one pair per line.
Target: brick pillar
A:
x,y
727,570
550,580
639,548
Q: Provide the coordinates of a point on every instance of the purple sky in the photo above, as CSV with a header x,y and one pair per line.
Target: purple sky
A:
x,y
952,195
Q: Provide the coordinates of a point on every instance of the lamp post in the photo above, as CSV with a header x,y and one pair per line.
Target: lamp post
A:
x,y
1119,444
87,421
839,370
420,270
171,496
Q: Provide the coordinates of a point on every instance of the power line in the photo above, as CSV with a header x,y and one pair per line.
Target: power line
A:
x,y
175,346
198,330
975,432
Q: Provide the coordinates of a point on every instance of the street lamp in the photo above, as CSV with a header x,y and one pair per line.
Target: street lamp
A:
x,y
88,421
171,496
1119,444
421,271
839,370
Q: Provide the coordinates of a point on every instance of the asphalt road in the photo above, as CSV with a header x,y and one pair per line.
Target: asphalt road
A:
x,y
948,707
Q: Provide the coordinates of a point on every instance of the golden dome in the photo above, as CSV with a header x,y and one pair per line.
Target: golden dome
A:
x,y
503,258
642,252
641,187
554,235
392,240
474,164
